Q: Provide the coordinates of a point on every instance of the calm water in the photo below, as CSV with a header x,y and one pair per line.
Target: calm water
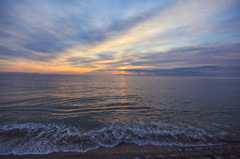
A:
x,y
45,113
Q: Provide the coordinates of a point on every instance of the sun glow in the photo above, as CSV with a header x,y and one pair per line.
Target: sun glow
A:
x,y
122,68
122,73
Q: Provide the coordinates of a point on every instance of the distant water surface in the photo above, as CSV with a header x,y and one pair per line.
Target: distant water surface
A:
x,y
41,114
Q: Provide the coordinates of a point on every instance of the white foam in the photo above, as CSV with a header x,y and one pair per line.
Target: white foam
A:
x,y
34,138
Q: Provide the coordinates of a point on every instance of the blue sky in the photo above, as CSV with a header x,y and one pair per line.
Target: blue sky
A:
x,y
121,37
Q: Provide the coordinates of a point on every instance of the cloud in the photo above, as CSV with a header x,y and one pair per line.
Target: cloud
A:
x,y
49,27
102,35
92,61
193,71
193,55
187,56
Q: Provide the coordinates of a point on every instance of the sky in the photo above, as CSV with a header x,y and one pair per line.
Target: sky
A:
x,y
121,37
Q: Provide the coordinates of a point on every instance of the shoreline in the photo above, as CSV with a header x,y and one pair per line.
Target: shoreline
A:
x,y
126,151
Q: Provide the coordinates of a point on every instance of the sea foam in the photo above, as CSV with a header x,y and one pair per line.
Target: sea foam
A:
x,y
37,138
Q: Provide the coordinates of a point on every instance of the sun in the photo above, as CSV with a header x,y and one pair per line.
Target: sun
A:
x,y
122,68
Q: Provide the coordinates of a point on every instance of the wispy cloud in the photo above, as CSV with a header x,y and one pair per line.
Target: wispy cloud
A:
x,y
81,37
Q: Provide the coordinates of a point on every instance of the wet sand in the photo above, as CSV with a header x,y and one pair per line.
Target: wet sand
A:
x,y
133,151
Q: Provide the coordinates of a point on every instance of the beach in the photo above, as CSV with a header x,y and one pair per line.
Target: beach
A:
x,y
133,151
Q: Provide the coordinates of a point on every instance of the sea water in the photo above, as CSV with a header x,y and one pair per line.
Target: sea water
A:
x,y
41,114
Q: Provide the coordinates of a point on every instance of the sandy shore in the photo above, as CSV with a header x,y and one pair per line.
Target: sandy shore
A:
x,y
133,151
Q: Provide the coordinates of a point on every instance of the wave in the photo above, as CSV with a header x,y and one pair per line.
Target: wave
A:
x,y
36,138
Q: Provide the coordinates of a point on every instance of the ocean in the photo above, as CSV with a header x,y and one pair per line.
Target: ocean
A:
x,y
41,114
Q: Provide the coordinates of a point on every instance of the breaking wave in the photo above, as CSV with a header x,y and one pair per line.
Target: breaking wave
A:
x,y
35,138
